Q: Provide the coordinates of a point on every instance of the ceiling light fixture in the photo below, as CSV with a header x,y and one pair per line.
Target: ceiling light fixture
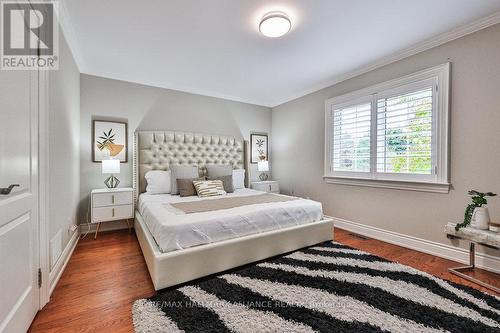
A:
x,y
275,24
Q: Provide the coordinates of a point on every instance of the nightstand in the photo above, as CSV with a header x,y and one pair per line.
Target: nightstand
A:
x,y
271,186
111,205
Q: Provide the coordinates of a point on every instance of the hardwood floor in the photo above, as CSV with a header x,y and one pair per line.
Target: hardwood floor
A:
x,y
105,276
98,287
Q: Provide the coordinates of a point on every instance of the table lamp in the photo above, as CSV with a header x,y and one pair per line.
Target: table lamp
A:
x,y
263,166
111,167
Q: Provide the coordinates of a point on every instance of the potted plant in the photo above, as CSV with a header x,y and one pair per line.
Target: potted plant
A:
x,y
476,208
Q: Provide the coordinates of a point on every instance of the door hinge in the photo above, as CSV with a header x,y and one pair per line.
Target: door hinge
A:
x,y
39,278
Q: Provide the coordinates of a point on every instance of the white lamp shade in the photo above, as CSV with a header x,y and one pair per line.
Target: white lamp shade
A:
x,y
110,166
263,166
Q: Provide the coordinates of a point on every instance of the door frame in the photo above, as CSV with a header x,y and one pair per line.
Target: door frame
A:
x,y
43,185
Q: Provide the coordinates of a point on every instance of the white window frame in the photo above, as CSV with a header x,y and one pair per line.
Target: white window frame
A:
x,y
438,181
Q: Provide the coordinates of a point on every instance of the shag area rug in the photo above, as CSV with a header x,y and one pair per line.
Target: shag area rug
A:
x,y
324,288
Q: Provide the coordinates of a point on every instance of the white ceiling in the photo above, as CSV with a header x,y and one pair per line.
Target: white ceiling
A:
x,y
213,47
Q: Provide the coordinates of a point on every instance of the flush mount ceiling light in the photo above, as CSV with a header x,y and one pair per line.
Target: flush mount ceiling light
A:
x,y
275,24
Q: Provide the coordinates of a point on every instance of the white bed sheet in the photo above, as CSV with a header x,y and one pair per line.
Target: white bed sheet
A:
x,y
174,231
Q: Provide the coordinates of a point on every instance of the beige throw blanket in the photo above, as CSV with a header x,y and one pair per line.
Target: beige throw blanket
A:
x,y
227,203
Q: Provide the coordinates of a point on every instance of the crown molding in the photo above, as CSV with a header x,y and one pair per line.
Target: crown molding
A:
x,y
69,34
428,44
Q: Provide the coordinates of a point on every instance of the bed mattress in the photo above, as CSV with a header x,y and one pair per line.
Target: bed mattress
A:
x,y
175,230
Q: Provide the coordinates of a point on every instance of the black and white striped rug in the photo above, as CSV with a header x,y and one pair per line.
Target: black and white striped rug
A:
x,y
325,288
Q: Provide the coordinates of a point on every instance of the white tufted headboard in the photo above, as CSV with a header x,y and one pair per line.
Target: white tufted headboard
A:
x,y
157,150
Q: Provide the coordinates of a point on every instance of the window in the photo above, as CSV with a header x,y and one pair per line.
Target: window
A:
x,y
394,134
351,138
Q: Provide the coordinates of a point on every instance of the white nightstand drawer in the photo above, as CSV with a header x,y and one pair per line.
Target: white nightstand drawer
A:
x,y
261,187
112,213
274,187
112,199
267,186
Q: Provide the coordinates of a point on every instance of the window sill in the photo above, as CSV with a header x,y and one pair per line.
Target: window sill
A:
x,y
391,184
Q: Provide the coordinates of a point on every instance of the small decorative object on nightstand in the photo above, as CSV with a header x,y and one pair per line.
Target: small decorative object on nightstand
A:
x,y
111,167
111,205
271,186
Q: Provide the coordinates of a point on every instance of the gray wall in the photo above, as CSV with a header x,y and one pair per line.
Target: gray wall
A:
x,y
64,143
149,108
298,143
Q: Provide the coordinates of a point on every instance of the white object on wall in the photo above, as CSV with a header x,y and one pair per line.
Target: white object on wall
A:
x,y
55,248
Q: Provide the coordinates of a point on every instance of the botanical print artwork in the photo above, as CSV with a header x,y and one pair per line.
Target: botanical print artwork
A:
x,y
259,146
109,141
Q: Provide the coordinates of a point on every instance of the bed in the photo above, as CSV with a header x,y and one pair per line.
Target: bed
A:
x,y
181,245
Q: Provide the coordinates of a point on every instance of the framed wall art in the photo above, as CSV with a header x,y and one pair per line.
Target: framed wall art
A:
x,y
109,140
259,148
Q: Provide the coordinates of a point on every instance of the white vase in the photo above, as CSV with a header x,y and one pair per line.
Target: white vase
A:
x,y
480,218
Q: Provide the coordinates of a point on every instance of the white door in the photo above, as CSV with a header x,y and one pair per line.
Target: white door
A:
x,y
19,235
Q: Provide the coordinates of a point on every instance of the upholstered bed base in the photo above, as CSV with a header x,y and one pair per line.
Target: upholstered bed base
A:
x,y
172,268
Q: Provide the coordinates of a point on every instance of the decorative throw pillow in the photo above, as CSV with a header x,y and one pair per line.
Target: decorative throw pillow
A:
x,y
227,182
159,182
218,170
186,187
209,188
182,172
238,178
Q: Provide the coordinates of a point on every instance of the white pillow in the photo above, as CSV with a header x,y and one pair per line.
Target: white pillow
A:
x,y
159,182
238,178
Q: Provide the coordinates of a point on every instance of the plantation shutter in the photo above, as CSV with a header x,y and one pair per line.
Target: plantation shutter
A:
x,y
404,132
351,138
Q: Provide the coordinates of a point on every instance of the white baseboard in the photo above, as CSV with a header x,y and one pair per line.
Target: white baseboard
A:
x,y
483,260
56,272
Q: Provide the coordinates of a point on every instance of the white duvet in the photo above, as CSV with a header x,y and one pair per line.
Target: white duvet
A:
x,y
174,230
